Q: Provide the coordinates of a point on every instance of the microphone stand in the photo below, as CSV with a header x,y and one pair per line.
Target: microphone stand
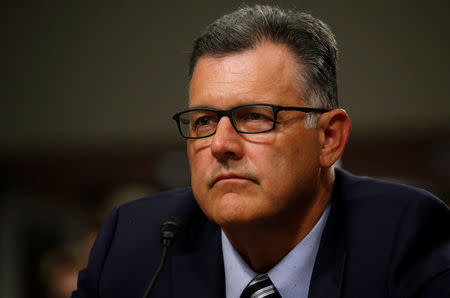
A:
x,y
169,230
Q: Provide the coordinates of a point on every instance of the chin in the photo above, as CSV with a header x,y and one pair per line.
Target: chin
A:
x,y
232,209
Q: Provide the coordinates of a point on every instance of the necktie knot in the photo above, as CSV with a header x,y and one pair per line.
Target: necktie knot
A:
x,y
261,286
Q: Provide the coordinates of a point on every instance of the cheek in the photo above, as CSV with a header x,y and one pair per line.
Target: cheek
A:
x,y
199,163
291,160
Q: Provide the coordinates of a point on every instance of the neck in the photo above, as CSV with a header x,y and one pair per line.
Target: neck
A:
x,y
264,243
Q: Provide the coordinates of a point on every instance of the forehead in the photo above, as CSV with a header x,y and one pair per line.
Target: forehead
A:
x,y
267,73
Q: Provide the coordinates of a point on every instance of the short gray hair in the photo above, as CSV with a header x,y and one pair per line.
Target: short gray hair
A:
x,y
310,40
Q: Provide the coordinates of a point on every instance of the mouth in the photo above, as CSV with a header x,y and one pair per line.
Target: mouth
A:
x,y
230,177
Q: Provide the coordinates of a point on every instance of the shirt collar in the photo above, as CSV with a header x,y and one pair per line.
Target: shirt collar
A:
x,y
291,276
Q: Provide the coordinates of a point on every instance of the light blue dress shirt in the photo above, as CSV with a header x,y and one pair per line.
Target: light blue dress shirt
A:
x,y
291,276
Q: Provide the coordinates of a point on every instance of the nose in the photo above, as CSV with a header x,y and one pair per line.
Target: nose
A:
x,y
226,143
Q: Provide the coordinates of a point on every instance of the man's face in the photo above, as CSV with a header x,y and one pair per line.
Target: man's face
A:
x,y
243,178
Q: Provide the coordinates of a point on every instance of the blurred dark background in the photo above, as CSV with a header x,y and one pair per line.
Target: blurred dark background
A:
x,y
89,88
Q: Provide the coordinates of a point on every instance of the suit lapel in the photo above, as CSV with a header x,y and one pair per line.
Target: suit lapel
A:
x,y
328,272
198,271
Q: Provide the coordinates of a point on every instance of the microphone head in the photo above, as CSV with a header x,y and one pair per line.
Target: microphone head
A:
x,y
169,230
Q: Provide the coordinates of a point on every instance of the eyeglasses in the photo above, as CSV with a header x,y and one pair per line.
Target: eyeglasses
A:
x,y
249,119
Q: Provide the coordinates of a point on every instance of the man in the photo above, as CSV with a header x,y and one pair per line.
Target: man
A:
x,y
267,211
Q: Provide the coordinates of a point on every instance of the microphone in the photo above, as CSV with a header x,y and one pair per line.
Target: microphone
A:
x,y
168,232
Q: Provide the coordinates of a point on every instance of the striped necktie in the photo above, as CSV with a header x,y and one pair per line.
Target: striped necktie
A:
x,y
260,286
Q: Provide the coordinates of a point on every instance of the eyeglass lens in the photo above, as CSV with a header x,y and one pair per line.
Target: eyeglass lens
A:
x,y
252,119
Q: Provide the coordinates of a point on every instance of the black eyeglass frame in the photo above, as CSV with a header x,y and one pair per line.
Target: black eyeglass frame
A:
x,y
229,113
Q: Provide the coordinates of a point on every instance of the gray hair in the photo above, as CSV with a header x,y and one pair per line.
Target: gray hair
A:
x,y
310,40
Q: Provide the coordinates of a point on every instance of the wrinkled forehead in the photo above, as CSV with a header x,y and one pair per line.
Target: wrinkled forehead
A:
x,y
253,75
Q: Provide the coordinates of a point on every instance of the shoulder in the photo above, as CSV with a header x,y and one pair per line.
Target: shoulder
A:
x,y
144,216
151,211
402,228
168,199
127,249
171,201
358,190
385,207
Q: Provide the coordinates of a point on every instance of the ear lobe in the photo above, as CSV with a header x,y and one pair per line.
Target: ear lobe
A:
x,y
336,128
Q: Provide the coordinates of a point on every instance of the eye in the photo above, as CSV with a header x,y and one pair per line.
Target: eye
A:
x,y
255,116
205,120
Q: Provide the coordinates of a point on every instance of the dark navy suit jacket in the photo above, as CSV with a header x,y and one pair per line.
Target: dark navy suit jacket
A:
x,y
380,240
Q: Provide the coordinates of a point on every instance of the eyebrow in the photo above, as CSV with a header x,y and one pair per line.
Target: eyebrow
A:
x,y
201,107
206,106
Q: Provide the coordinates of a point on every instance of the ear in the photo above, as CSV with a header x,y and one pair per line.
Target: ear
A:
x,y
334,128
